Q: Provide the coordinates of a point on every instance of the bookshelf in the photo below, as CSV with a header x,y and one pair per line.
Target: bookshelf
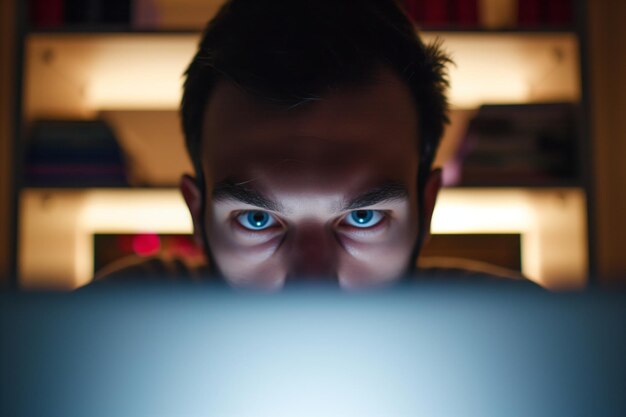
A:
x,y
58,224
7,125
108,72
97,70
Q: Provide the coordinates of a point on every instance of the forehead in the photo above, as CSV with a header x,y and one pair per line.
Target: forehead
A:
x,y
371,127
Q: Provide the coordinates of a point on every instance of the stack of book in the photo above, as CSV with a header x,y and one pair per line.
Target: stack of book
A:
x,y
50,14
74,154
541,13
443,13
526,145
490,14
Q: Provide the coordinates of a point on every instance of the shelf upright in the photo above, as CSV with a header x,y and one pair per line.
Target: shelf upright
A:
x,y
585,157
19,135
21,12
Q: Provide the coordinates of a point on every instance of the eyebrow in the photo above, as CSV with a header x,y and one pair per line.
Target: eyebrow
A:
x,y
231,190
388,191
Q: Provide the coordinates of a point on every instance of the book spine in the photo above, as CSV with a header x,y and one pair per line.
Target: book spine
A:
x,y
145,14
530,13
415,10
98,11
46,13
466,13
559,13
117,12
436,13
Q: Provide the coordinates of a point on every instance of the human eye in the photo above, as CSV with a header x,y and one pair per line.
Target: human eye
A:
x,y
364,219
256,220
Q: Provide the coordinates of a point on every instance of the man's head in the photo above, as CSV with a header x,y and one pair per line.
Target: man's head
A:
x,y
312,127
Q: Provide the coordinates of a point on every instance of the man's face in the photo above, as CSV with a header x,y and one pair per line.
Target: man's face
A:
x,y
324,189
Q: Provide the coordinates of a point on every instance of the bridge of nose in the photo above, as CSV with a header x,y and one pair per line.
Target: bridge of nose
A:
x,y
313,252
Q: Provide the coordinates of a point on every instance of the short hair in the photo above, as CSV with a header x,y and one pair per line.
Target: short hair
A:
x,y
293,51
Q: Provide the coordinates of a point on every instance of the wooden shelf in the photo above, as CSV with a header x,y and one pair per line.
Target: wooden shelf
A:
x,y
57,227
123,30
515,30
89,29
131,76
552,185
79,74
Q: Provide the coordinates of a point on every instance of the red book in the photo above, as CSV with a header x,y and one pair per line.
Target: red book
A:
x,y
559,13
436,13
415,10
466,13
46,13
530,13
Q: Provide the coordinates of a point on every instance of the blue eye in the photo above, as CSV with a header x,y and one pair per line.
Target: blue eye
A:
x,y
364,218
256,220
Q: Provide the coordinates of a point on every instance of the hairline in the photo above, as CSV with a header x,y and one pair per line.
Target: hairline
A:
x,y
420,135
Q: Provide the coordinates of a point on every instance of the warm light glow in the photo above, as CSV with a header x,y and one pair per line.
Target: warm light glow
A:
x,y
79,76
57,228
146,244
511,68
150,77
551,224
137,211
482,212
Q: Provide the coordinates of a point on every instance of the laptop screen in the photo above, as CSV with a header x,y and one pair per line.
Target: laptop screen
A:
x,y
426,350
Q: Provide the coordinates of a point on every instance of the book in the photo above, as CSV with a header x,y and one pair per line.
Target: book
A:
x,y
74,153
430,13
559,13
46,14
530,13
436,13
466,13
97,12
528,144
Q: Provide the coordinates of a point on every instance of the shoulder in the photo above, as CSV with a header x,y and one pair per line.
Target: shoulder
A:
x,y
155,269
469,271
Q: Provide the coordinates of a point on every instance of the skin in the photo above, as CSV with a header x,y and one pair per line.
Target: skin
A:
x,y
308,174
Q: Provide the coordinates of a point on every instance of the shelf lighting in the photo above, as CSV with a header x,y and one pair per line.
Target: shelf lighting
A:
x,y
58,228
104,72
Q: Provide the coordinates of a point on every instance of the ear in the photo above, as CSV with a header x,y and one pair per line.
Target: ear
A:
x,y
431,190
193,198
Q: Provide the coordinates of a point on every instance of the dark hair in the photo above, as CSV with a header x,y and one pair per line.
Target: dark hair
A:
x,y
293,51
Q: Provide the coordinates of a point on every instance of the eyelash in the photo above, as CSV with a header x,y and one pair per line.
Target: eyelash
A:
x,y
342,222
237,215
365,231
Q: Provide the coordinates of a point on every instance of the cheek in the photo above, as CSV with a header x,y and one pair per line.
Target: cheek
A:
x,y
367,264
245,263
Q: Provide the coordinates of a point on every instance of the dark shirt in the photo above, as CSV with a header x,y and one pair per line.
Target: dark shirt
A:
x,y
159,270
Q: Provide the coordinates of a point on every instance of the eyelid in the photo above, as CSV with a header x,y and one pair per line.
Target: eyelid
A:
x,y
385,216
237,214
